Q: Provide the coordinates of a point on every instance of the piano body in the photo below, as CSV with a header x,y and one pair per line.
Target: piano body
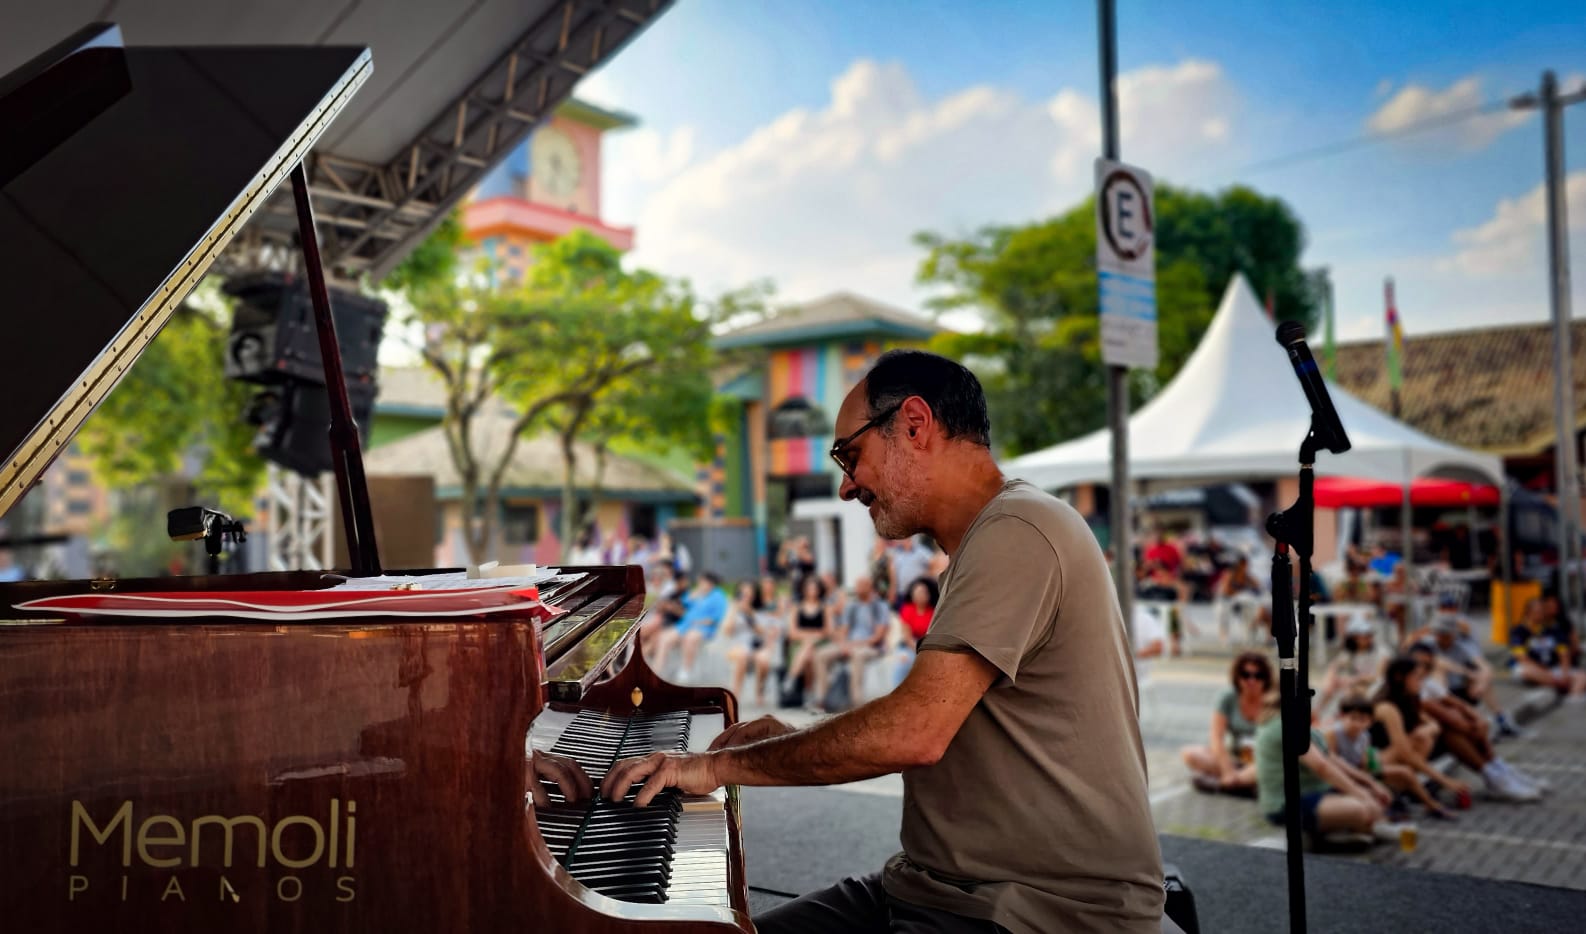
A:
x,y
219,774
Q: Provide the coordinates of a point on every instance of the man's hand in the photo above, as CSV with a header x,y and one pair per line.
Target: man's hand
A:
x,y
750,731
568,775
690,773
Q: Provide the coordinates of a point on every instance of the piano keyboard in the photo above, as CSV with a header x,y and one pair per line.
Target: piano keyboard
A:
x,y
672,852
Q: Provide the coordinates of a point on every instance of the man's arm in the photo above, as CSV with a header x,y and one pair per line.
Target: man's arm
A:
x,y
912,726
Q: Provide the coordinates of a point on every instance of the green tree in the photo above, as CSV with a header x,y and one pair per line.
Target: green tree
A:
x,y
582,348
1039,356
614,356
175,406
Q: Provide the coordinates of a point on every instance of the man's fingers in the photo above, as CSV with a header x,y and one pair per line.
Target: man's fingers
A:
x,y
624,775
537,790
586,788
558,772
654,785
725,737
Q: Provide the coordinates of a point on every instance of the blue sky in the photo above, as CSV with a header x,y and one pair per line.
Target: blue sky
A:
x,y
805,141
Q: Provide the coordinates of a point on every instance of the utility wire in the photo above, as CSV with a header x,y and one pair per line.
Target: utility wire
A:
x,y
1370,139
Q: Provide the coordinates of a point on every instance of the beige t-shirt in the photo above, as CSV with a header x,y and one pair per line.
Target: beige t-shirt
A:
x,y
1037,815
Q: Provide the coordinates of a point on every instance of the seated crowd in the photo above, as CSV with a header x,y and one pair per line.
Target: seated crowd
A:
x,y
1384,726
811,641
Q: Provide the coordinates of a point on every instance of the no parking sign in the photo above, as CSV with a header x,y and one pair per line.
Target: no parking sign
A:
x,y
1126,264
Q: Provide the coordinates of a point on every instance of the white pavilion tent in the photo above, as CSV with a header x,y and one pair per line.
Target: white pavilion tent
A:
x,y
1236,412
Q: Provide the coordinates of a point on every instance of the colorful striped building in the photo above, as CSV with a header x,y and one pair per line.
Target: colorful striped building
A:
x,y
791,374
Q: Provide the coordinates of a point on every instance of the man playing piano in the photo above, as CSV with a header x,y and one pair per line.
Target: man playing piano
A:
x,y
1016,731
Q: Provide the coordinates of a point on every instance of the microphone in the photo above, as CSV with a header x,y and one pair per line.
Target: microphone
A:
x,y
1325,425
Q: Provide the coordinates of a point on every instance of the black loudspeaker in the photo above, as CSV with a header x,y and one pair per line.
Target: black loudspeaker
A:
x,y
274,343
294,424
274,339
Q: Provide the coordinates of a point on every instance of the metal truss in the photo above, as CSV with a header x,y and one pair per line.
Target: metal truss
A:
x,y
301,520
370,216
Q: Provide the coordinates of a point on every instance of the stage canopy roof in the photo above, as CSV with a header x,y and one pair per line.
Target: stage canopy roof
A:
x,y
455,87
1236,412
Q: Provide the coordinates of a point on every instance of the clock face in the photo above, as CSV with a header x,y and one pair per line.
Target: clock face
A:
x,y
554,163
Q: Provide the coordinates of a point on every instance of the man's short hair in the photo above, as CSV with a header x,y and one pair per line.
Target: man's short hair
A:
x,y
711,578
952,392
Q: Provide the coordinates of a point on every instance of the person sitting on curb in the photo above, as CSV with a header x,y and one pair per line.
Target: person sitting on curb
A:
x,y
1225,763
1540,655
1464,732
1406,735
1463,668
1350,741
1330,799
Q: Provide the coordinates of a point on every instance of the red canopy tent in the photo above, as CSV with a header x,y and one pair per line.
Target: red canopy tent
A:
x,y
1345,492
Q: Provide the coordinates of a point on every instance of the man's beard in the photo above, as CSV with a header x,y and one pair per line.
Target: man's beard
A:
x,y
898,514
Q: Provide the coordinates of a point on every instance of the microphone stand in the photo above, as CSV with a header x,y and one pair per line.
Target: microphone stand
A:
x,y
1294,528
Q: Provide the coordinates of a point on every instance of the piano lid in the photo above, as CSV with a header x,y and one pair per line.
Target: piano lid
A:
x,y
139,166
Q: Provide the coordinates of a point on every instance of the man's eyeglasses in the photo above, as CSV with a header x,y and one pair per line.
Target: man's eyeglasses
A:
x,y
849,461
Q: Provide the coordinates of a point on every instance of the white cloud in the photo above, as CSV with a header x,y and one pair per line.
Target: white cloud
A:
x,y
827,198
1415,103
1514,238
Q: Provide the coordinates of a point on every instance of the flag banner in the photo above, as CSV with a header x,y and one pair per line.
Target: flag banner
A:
x,y
1395,342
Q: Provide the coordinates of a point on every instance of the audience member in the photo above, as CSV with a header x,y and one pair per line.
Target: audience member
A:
x,y
1160,584
670,586
1355,587
1463,668
703,608
860,633
881,568
1330,800
1238,582
1540,654
586,549
1350,740
796,559
1162,551
1357,669
911,560
920,607
1227,763
809,625
1409,734
1464,732
744,626
916,616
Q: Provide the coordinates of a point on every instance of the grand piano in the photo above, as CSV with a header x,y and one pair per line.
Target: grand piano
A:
x,y
222,774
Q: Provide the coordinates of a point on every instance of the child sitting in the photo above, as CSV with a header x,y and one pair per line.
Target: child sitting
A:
x,y
1350,740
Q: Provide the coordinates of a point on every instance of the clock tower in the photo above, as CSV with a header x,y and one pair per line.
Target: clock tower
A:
x,y
547,186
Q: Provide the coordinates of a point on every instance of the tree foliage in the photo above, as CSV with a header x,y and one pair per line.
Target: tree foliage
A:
x,y
175,409
583,348
1039,356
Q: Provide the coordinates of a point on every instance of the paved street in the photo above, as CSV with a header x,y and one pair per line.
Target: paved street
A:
x,y
798,839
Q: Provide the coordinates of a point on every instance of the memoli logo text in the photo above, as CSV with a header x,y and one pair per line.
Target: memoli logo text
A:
x,y
166,842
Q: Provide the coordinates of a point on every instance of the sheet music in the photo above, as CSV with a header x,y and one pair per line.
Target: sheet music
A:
x,y
456,580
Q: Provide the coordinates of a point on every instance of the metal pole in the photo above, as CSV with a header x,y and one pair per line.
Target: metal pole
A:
x,y
1563,348
352,489
1117,376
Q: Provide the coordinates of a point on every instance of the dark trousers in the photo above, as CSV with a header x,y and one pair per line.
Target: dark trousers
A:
x,y
859,905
